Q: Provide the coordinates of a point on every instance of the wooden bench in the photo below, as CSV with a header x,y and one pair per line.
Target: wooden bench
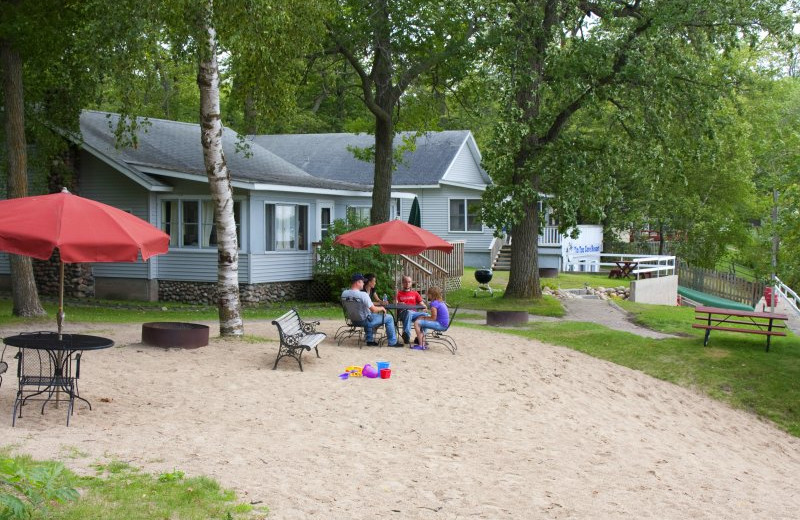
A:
x,y
297,336
746,322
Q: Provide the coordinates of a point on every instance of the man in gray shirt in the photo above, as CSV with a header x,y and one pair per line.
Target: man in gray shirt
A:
x,y
369,314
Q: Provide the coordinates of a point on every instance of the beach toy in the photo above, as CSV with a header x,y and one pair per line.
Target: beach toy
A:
x,y
344,375
386,373
353,370
369,371
382,365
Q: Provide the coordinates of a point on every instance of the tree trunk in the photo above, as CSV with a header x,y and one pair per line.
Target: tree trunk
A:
x,y
219,180
382,190
23,286
384,125
523,279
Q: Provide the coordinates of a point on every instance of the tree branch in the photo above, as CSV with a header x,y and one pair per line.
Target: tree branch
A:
x,y
451,49
366,80
563,116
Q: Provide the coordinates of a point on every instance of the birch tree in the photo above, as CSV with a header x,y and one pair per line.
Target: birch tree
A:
x,y
219,181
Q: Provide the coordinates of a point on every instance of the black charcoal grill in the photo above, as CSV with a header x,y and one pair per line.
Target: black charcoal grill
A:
x,y
483,277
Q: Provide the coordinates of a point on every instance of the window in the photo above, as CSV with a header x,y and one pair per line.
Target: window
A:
x,y
286,227
324,221
394,209
190,223
465,215
358,213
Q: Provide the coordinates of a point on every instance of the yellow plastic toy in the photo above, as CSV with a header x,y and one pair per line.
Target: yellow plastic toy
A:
x,y
354,371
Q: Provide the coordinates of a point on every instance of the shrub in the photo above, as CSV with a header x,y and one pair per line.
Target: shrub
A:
x,y
335,263
26,485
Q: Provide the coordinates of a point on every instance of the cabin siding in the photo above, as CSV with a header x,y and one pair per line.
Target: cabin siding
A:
x,y
434,206
99,181
465,168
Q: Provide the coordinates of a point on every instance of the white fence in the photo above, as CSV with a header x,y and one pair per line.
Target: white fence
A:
x,y
638,265
784,290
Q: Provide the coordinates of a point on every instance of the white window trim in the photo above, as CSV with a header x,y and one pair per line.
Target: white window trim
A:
x,y
465,199
199,198
321,204
308,228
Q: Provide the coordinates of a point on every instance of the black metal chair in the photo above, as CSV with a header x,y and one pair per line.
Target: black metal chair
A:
x,y
354,326
44,376
441,336
3,365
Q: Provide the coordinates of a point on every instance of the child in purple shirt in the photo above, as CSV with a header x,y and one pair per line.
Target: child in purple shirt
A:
x,y
439,319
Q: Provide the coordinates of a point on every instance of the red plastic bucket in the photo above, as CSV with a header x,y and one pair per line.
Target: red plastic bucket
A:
x,y
386,373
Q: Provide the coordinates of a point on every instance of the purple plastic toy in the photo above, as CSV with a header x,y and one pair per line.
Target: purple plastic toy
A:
x,y
369,371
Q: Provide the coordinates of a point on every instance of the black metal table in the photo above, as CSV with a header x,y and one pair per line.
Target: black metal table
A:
x,y
45,366
395,308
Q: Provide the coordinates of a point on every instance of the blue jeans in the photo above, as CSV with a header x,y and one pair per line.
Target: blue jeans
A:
x,y
375,320
408,317
430,325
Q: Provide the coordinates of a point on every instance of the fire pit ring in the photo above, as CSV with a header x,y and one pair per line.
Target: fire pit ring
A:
x,y
175,334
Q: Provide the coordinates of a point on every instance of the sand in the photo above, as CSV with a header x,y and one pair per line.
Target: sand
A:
x,y
507,428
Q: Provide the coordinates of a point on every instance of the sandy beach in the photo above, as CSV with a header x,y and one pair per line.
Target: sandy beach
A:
x,y
507,428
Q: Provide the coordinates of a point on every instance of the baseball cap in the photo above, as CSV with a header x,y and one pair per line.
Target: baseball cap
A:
x,y
356,277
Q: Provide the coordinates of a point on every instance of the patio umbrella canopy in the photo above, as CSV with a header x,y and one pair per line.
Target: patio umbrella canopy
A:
x,y
395,237
83,230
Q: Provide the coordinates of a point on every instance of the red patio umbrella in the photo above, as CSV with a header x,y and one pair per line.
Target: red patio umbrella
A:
x,y
83,230
395,237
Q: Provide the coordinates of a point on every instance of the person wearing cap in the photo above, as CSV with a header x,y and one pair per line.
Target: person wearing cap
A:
x,y
370,315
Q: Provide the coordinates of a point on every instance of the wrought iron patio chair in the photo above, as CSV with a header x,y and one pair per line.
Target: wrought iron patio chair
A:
x,y
46,376
3,365
354,326
441,336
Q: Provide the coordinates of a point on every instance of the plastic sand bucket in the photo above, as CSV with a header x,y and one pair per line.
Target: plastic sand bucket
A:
x,y
382,365
369,371
386,373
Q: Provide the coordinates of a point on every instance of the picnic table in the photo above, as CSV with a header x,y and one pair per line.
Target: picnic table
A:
x,y
734,320
624,269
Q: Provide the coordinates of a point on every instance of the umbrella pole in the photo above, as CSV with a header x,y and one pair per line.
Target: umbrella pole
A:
x,y
60,316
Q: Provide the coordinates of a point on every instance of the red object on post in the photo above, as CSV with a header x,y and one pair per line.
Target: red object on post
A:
x,y
770,297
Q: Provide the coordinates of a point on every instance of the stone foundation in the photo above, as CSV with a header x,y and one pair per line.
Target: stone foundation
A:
x,y
204,293
78,278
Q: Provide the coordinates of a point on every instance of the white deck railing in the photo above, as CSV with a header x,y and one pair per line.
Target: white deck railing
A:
x,y
655,265
784,290
550,236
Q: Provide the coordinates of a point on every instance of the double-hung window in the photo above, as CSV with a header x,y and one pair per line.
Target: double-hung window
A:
x,y
358,214
190,222
465,215
286,227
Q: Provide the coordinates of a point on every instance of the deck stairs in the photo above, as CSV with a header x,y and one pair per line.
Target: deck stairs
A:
x,y
502,261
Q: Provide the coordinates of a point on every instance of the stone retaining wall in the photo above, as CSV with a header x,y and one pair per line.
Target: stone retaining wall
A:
x,y
204,293
78,278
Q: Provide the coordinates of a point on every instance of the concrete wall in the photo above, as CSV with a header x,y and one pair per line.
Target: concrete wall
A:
x,y
658,291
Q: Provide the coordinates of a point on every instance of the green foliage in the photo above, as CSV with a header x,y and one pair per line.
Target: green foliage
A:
x,y
27,486
122,492
336,263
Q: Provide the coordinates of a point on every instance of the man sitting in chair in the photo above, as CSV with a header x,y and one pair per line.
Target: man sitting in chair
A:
x,y
369,314
409,296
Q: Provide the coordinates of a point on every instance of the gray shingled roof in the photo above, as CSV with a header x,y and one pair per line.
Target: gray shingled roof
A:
x,y
327,156
175,146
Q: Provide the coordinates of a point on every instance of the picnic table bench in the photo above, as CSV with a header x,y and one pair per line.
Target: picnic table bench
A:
x,y
734,320
296,336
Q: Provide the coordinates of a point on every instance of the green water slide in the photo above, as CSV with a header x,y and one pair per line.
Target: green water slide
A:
x,y
711,300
